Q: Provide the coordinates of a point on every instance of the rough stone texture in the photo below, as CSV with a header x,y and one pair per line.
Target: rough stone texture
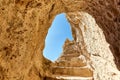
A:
x,y
89,53
92,41
72,62
23,28
107,16
24,25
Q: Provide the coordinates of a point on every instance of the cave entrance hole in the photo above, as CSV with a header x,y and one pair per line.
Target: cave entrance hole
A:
x,y
59,31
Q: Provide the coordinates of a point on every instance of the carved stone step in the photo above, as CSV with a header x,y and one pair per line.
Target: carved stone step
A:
x,y
72,63
73,71
71,55
73,78
68,57
71,51
64,77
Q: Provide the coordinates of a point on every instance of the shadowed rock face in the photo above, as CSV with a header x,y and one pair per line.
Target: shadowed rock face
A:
x,y
92,41
23,28
24,25
107,16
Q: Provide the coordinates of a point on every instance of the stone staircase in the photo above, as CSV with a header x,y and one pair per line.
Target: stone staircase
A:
x,y
74,78
72,65
68,78
72,71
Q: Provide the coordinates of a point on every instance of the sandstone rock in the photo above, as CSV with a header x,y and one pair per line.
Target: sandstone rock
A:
x,y
24,25
23,28
72,62
92,41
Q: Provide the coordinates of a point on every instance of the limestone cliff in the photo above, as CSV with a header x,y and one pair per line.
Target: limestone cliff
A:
x,y
24,25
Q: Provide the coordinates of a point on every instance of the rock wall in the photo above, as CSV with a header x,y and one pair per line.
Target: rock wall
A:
x,y
23,28
24,25
89,55
93,45
107,16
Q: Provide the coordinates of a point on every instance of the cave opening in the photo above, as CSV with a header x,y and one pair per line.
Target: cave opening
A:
x,y
59,31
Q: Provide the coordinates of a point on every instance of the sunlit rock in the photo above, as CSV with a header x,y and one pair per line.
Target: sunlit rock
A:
x,y
24,25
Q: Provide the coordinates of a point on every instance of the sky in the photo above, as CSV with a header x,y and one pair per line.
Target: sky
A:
x,y
59,31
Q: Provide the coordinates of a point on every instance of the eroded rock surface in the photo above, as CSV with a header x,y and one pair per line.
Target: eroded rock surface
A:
x,y
92,41
89,55
23,28
24,25
72,62
107,16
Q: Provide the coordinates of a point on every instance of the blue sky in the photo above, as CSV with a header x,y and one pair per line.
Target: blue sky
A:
x,y
59,31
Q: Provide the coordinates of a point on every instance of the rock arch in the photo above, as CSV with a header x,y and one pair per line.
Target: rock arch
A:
x,y
24,25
